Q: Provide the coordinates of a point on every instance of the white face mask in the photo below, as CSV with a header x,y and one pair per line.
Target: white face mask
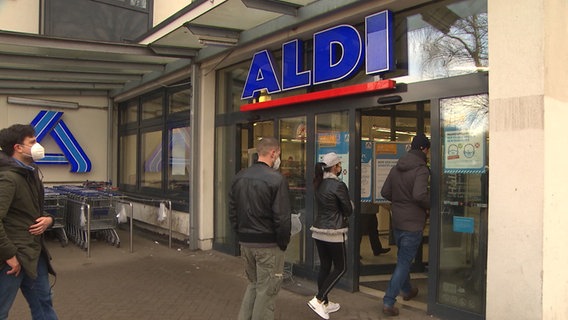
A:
x,y
37,152
276,164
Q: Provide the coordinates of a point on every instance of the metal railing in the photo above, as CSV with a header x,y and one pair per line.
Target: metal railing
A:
x,y
167,203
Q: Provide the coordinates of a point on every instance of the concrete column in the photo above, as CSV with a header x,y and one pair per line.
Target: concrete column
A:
x,y
206,156
528,220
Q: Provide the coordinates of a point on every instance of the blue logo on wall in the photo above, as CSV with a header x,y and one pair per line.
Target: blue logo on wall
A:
x,y
49,122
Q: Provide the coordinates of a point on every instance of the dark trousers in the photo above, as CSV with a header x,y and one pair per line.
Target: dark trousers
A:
x,y
369,225
330,254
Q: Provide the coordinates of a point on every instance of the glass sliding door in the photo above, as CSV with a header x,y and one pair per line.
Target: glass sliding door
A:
x,y
225,168
293,167
227,164
386,132
463,203
332,135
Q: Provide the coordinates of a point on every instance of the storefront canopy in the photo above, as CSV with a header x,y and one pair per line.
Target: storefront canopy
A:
x,y
41,65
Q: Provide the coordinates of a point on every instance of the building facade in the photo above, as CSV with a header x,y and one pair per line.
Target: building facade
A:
x,y
180,98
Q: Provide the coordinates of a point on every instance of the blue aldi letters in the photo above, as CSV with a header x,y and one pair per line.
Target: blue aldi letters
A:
x,y
338,54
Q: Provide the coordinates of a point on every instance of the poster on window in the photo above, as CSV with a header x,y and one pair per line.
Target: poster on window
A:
x,y
464,151
366,171
386,157
337,142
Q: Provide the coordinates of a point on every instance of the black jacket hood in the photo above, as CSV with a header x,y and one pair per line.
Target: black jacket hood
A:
x,y
412,160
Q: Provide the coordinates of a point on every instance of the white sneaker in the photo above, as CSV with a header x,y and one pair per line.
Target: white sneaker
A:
x,y
332,306
318,308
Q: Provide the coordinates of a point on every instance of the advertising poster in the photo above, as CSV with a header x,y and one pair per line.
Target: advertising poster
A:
x,y
337,142
367,171
386,157
464,151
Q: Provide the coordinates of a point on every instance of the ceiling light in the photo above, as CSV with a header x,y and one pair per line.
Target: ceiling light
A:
x,y
217,43
209,35
273,6
42,103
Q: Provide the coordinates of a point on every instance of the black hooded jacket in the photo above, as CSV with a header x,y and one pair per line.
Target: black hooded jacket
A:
x,y
406,187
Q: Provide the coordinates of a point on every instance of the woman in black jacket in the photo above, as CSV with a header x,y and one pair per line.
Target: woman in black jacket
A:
x,y
330,230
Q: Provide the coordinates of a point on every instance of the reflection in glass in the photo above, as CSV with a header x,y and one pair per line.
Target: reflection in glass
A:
x,y
463,212
261,130
129,113
444,40
152,107
377,125
179,160
138,3
293,167
180,101
128,156
151,145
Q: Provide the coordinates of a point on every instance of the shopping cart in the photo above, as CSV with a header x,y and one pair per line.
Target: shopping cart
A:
x,y
55,204
90,212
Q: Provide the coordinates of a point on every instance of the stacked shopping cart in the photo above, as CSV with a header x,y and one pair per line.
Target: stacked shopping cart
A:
x,y
55,204
90,212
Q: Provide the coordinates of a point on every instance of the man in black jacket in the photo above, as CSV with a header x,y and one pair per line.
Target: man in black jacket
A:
x,y
406,187
259,211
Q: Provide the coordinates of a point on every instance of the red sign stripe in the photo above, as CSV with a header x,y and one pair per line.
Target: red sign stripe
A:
x,y
322,95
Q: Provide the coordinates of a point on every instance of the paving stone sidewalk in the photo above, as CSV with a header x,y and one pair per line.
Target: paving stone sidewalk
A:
x,y
156,282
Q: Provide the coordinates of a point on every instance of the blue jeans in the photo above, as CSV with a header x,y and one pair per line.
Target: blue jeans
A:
x,y
36,291
408,243
265,271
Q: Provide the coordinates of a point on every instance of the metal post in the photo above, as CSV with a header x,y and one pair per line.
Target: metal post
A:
x,y
88,229
170,215
131,226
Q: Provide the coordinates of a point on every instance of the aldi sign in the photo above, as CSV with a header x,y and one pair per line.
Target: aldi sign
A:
x,y
338,53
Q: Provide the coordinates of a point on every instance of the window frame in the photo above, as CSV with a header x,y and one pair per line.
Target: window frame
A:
x,y
164,124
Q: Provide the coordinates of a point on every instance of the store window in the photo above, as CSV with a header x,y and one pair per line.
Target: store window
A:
x,y
179,161
155,144
464,198
128,151
96,20
129,112
152,106
179,102
442,40
151,151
